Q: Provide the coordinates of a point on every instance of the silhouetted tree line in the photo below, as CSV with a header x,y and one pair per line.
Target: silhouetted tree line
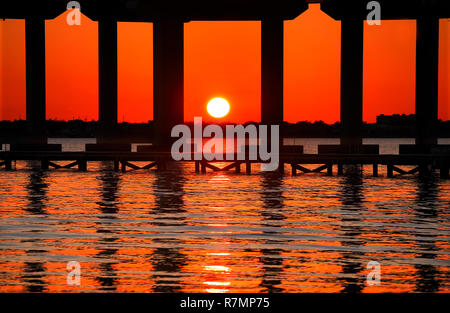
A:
x,y
318,129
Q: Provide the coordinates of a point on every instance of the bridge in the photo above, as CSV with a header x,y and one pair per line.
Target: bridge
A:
x,y
168,18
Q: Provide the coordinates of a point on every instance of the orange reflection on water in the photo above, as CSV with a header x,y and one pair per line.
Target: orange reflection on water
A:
x,y
168,232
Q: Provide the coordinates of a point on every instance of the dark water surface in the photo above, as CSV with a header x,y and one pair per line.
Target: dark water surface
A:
x,y
147,231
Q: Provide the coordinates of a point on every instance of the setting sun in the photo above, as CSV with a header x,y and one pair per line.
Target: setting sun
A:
x,y
218,107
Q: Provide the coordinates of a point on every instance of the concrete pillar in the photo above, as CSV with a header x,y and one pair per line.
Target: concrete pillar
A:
x,y
427,59
107,75
352,38
272,59
168,45
35,79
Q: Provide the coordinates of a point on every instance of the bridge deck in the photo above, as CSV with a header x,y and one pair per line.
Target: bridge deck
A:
x,y
207,10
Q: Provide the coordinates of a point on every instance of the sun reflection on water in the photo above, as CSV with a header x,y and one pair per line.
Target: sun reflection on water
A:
x,y
179,232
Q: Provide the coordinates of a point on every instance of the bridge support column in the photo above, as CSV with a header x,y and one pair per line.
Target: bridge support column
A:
x,y
272,84
168,45
35,80
272,60
352,38
427,59
107,62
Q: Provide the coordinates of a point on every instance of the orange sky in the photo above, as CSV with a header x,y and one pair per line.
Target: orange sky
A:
x,y
221,59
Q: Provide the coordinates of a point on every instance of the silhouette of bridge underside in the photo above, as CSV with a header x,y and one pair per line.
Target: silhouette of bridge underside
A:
x,y
168,18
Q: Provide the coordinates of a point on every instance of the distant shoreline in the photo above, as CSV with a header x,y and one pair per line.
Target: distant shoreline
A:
x,y
10,130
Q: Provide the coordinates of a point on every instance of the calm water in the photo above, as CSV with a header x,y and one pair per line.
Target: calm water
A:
x,y
147,231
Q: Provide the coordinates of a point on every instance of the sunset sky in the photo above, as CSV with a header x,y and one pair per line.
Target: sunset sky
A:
x,y
222,59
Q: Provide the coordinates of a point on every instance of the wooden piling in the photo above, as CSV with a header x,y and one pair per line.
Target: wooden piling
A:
x,y
444,171
340,169
45,164
82,165
203,167
248,168
161,164
390,170
281,168
424,170
197,167
294,169
330,169
375,170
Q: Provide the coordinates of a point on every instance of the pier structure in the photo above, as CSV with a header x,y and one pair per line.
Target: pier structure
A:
x,y
169,18
298,162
